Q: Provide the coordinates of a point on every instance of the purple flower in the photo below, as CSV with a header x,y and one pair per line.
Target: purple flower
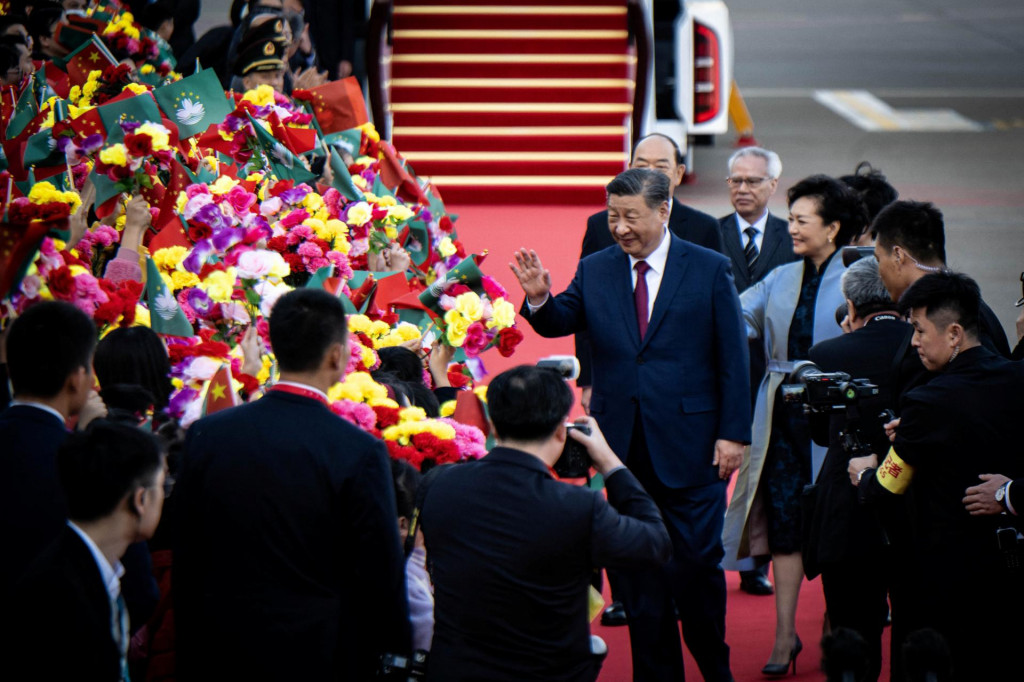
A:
x,y
130,126
180,401
227,237
199,301
195,261
211,216
295,195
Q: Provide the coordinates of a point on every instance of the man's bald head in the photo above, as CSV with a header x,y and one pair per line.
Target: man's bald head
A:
x,y
660,153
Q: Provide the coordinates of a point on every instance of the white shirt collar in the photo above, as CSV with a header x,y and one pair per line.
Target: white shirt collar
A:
x,y
44,408
304,386
758,224
658,257
111,574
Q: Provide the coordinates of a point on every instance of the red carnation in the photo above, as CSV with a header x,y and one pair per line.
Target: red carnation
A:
x,y
457,376
386,416
445,225
62,283
198,231
138,144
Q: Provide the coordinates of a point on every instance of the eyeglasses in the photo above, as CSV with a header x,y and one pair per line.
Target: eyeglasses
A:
x,y
1020,301
752,183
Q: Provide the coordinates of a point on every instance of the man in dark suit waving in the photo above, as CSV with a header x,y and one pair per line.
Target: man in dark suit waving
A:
x,y
512,549
288,563
671,396
659,153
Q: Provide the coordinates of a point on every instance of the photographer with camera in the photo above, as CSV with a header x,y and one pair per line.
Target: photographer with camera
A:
x,y
961,424
511,549
846,541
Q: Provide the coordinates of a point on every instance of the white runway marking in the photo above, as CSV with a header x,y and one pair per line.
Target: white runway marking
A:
x,y
869,113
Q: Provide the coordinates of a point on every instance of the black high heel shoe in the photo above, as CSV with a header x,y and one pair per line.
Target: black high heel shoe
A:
x,y
779,669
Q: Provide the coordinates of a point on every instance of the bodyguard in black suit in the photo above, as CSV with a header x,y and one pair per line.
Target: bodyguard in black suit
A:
x,y
288,563
512,549
49,349
70,620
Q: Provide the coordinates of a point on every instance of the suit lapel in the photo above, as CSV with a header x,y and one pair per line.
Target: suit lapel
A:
x,y
621,290
675,268
773,238
677,221
731,238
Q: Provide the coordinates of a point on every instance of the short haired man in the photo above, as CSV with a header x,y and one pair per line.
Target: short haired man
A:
x,y
71,619
512,549
756,242
42,27
49,358
288,563
672,396
963,423
911,243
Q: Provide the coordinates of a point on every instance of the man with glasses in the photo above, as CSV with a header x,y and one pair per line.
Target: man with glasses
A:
x,y
756,242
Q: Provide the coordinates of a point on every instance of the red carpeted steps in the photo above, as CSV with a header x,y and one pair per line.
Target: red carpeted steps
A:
x,y
519,101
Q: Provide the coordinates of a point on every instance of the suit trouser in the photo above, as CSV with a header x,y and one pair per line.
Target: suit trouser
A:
x,y
693,582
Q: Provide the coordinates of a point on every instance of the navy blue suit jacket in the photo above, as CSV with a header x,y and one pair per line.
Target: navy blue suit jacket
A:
x,y
688,378
32,507
512,552
288,563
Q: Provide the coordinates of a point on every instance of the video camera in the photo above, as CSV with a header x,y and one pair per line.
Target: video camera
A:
x,y
574,461
824,392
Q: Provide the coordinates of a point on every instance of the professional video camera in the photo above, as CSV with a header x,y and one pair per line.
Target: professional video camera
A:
x,y
575,461
852,254
825,393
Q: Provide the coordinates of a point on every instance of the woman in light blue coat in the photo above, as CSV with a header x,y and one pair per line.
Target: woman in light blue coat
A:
x,y
789,311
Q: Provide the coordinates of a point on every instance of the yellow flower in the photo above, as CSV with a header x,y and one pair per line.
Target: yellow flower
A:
x,y
447,408
319,228
369,358
358,323
223,185
470,306
359,387
219,285
141,316
137,88
168,258
261,95
481,393
77,270
503,315
147,69
407,331
446,248
370,131
456,327
385,201
360,213
167,280
75,93
114,155
44,193
412,414
89,89
397,214
391,232
379,328
360,182
157,133
263,376
183,278
312,202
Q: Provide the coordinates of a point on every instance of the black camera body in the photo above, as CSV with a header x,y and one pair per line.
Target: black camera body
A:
x,y
825,392
574,461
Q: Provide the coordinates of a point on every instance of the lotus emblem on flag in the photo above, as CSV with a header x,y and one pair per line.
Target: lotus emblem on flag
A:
x,y
190,112
166,305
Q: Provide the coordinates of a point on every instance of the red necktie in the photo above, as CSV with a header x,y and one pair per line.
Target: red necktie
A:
x,y
640,296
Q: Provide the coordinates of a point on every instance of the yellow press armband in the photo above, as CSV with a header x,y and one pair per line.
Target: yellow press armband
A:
x,y
894,474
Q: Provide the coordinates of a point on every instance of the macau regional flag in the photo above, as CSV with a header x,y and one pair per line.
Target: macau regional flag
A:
x,y
194,102
165,315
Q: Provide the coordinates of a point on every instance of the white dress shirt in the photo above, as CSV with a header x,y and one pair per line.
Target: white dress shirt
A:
x,y
656,261
111,574
758,225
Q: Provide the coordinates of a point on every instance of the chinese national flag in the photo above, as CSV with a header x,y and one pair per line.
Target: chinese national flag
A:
x,y
220,395
394,175
469,410
177,183
338,105
18,246
92,55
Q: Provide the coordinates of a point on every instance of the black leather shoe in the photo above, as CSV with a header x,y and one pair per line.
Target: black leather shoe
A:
x,y
753,582
614,615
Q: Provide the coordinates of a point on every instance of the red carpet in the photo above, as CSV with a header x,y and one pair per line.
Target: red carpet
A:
x,y
523,100
555,233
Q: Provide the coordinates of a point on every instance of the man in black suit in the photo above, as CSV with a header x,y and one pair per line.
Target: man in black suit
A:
x,y
71,620
755,241
512,549
660,153
288,563
849,544
911,243
49,349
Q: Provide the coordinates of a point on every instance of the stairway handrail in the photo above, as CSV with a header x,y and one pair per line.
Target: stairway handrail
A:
x,y
379,33
639,28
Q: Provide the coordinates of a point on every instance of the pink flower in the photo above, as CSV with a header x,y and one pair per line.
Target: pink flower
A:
x,y
476,340
310,250
295,218
342,267
241,200
493,289
271,206
192,190
360,414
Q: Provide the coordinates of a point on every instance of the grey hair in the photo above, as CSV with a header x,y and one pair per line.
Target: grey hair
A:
x,y
772,161
862,284
652,185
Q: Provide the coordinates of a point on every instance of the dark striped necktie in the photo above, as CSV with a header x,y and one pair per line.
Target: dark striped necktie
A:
x,y
750,251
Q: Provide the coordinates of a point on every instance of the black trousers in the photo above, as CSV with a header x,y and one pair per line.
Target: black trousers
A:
x,y
855,597
692,584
